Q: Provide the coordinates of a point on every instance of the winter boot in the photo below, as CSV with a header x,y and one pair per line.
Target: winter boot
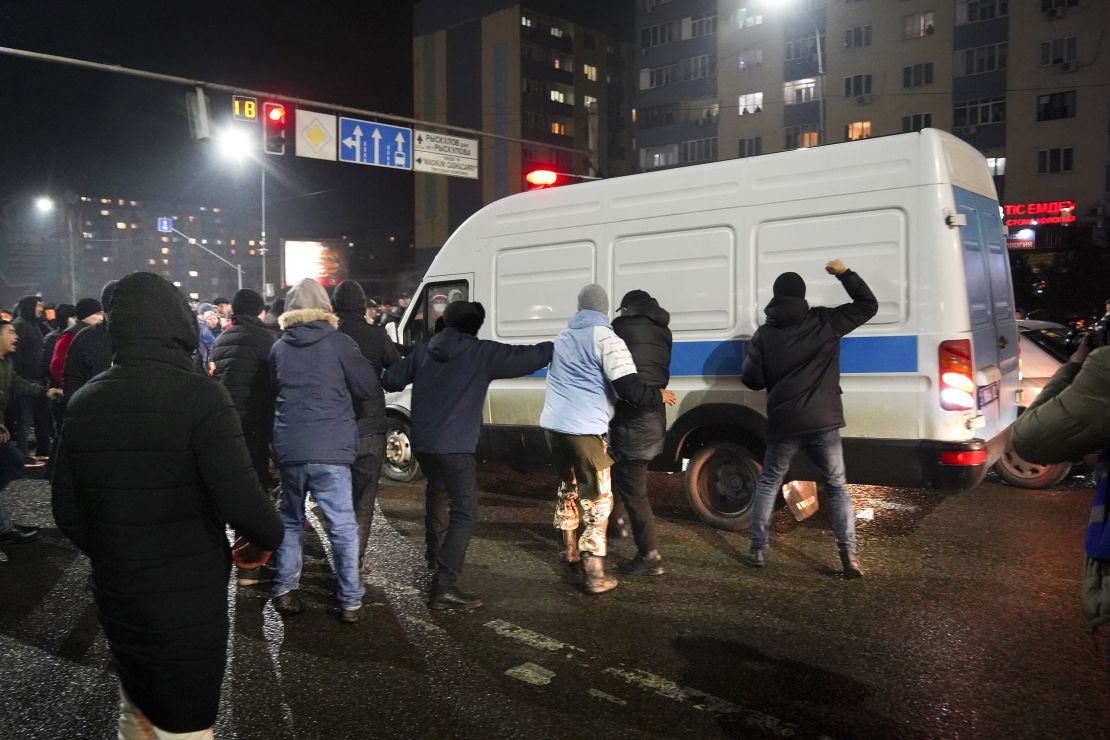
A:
x,y
570,556
756,559
850,563
596,580
650,564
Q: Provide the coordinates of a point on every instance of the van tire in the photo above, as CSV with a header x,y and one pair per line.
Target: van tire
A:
x,y
720,484
400,463
1021,473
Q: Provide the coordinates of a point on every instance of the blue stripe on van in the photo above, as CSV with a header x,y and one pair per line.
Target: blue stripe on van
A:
x,y
897,354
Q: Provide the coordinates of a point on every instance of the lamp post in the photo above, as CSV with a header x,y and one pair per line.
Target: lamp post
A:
x,y
235,144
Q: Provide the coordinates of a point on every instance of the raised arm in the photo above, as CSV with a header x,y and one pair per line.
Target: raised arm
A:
x,y
850,316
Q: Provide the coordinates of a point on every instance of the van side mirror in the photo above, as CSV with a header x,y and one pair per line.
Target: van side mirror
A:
x,y
391,330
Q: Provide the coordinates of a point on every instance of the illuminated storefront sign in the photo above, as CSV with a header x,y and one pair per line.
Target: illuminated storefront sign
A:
x,y
1038,213
325,261
1018,244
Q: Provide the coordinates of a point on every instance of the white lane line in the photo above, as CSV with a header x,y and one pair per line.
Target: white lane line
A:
x,y
425,625
893,505
531,673
607,697
530,638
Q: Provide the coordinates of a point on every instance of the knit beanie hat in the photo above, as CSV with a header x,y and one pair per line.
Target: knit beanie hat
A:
x,y
63,312
790,285
106,295
307,294
464,316
593,298
349,297
86,307
247,302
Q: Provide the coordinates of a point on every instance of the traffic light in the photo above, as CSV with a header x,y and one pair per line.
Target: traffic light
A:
x,y
274,124
541,178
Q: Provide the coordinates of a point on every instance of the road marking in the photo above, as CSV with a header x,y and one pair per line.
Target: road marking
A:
x,y
425,625
893,505
531,673
530,638
607,697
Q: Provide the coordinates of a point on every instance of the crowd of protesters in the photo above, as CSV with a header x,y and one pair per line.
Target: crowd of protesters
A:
x,y
163,420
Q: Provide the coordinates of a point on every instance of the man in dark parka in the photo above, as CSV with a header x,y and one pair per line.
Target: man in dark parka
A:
x,y
151,467
636,434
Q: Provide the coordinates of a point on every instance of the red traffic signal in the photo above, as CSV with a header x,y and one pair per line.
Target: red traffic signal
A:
x,y
273,129
541,178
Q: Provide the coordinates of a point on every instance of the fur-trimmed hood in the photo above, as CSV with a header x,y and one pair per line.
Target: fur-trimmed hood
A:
x,y
305,315
307,326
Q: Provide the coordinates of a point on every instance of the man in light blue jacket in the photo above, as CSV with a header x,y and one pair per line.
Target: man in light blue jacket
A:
x,y
590,369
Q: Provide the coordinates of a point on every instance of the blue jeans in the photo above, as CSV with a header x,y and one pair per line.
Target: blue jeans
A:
x,y
825,449
331,488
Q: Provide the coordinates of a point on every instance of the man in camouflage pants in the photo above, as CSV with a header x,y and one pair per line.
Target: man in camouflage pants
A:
x,y
590,368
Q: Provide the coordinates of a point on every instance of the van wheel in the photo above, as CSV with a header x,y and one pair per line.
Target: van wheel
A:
x,y
400,462
720,484
1021,473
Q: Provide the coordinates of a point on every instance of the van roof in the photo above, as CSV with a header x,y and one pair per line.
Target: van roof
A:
x,y
929,156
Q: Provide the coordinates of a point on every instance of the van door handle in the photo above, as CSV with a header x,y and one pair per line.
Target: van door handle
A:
x,y
1003,342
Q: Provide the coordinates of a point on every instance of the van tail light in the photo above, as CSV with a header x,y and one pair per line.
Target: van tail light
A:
x,y
964,457
957,380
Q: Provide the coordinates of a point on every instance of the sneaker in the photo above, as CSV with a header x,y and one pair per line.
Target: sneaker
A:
x,y
756,558
641,565
20,535
289,604
349,616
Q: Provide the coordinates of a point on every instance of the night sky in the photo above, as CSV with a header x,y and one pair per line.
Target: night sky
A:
x,y
98,134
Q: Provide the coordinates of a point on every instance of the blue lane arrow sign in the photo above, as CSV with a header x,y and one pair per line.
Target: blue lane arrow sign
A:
x,y
375,144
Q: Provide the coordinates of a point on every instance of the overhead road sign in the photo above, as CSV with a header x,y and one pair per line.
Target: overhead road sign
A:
x,y
165,224
315,134
443,154
375,144
445,164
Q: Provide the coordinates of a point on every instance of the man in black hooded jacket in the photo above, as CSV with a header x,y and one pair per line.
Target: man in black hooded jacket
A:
x,y
30,410
375,345
636,434
450,375
796,357
90,352
241,355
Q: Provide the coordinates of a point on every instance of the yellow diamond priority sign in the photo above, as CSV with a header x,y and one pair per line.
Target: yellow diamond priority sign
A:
x,y
315,135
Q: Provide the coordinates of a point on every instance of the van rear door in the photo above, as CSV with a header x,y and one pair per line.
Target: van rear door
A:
x,y
991,307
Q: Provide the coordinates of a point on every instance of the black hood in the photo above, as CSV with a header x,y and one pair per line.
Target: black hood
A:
x,y
449,343
25,309
151,317
786,310
650,308
349,298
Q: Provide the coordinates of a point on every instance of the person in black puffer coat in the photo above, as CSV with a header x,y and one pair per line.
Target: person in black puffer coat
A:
x,y
151,468
28,411
90,352
796,357
350,306
241,355
636,434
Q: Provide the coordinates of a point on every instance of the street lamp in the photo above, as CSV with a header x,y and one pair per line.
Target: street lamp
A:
x,y
235,144
44,204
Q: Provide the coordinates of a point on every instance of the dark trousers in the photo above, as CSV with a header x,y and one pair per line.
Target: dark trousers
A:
x,y
630,483
451,512
32,411
11,468
258,446
364,485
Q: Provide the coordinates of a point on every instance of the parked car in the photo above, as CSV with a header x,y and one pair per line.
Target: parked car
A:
x,y
1045,346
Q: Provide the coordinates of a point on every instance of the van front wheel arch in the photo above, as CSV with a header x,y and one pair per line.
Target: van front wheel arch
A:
x,y
720,485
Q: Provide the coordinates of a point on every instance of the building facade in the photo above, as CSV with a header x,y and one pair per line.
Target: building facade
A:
x,y
1024,81
551,73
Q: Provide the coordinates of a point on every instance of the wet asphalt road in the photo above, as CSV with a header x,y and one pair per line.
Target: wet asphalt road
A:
x,y
967,624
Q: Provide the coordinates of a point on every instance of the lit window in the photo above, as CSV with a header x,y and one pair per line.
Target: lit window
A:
x,y
121,225
232,242
747,18
590,71
590,100
558,32
799,91
193,273
105,259
250,252
658,156
801,137
121,201
203,208
997,165
134,204
215,210
251,242
751,58
152,261
559,128
558,96
751,103
105,200
165,262
916,26
527,21
105,212
134,226
195,296
203,241
166,239
857,130
165,250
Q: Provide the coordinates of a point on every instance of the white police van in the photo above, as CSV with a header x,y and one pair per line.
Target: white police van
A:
x,y
929,384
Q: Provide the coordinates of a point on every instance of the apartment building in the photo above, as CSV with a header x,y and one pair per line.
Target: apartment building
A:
x,y
552,74
1027,82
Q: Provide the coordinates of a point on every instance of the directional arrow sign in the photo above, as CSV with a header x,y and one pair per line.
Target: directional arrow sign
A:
x,y
375,144
445,155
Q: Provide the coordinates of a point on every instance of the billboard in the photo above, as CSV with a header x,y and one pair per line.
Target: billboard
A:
x,y
324,260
